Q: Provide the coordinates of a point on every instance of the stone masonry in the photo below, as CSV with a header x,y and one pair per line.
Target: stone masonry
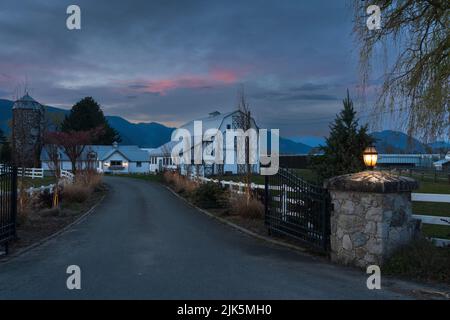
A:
x,y
371,217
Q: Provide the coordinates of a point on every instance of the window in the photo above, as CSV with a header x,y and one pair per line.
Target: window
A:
x,y
116,163
138,164
92,156
228,126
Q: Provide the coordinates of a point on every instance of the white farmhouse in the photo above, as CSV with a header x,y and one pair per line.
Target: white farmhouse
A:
x,y
114,158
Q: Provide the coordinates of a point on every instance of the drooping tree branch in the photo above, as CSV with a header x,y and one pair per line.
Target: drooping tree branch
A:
x,y
418,81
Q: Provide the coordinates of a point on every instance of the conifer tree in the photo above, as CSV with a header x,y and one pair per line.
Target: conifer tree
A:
x,y
87,115
345,145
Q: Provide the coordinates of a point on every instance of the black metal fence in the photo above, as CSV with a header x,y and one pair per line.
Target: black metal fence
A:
x,y
298,209
8,204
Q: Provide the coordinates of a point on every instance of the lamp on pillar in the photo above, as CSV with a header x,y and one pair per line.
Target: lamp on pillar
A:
x,y
370,156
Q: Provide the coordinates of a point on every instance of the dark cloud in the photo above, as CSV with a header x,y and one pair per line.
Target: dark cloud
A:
x,y
289,96
310,87
171,61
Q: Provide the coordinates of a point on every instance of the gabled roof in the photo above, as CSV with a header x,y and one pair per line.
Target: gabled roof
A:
x,y
213,121
132,153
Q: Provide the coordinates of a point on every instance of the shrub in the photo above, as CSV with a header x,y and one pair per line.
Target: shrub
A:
x,y
209,195
250,209
179,183
76,192
44,199
89,178
420,259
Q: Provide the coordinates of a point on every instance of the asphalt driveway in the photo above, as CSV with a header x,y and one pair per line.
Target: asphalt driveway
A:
x,y
143,242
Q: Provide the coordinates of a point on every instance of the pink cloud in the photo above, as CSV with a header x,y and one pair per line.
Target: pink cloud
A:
x,y
213,78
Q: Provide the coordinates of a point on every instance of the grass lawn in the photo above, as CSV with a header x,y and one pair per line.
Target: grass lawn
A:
x,y
434,208
434,187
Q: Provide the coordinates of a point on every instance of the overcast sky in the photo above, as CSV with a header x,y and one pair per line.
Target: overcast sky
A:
x,y
172,61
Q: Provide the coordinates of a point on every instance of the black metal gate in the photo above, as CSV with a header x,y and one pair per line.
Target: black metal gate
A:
x,y
297,209
8,204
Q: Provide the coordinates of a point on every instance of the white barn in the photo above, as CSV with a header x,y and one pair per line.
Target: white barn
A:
x,y
222,122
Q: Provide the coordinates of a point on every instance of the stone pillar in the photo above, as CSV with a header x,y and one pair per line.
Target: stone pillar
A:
x,y
371,216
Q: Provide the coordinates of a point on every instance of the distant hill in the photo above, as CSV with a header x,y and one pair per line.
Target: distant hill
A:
x,y
313,141
152,135
5,114
290,147
145,135
389,141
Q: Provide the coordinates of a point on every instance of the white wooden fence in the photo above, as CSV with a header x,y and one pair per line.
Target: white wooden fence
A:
x,y
416,197
67,175
435,220
29,172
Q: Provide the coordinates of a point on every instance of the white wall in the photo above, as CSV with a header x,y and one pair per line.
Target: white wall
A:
x,y
144,168
156,167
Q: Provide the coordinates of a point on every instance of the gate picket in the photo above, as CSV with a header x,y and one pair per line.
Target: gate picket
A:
x,y
297,209
8,204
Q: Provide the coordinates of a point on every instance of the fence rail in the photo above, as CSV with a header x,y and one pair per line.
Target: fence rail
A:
x,y
27,172
69,176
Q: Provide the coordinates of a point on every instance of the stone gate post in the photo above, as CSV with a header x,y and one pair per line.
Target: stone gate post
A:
x,y
371,217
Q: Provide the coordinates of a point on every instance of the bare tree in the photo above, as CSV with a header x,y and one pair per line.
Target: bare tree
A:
x,y
418,81
52,145
74,143
243,121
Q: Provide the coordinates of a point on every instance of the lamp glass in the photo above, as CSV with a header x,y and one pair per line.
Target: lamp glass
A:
x,y
370,157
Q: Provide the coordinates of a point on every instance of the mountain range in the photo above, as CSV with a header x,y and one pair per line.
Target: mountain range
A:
x,y
388,141
153,135
144,134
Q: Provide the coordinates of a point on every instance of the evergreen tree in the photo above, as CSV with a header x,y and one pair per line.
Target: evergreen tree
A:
x,y
343,152
87,115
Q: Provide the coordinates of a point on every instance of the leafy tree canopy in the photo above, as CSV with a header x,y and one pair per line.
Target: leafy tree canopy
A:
x,y
344,147
87,115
